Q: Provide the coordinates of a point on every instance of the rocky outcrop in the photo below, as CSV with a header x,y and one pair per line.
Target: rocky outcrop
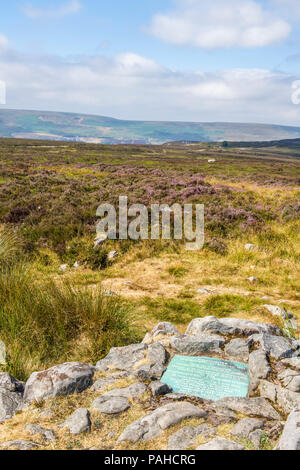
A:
x,y
230,326
274,368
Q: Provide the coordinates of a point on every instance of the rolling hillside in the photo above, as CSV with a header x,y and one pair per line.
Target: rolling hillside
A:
x,y
106,130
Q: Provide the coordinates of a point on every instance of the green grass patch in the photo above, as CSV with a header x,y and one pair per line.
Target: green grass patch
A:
x,y
227,305
177,271
173,310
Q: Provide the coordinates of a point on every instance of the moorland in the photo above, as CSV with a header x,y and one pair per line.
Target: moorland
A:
x,y
49,194
59,126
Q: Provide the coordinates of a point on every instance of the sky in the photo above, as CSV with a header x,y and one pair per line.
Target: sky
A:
x,y
179,60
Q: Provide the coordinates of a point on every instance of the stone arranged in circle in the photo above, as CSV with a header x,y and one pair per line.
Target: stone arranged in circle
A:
x,y
206,377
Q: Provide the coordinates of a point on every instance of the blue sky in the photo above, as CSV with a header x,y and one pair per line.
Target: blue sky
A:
x,y
229,60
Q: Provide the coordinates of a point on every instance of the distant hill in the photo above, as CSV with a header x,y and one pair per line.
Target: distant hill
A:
x,y
105,130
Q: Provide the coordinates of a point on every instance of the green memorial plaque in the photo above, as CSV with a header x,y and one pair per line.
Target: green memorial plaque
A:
x,y
207,377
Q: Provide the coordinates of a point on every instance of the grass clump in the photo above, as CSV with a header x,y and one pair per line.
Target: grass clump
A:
x,y
177,271
228,304
178,311
43,322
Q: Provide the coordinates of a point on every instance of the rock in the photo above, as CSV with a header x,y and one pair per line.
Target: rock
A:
x,y
153,424
112,254
109,293
19,445
2,353
218,420
158,388
293,362
258,364
111,406
288,377
101,384
10,402
157,354
219,443
268,390
182,439
100,239
194,345
117,400
157,371
79,422
148,372
164,329
124,358
254,383
255,437
186,436
250,247
63,267
246,426
274,310
294,384
286,399
252,279
76,265
290,439
203,291
45,433
278,347
47,414
248,406
229,326
65,379
238,349
284,314
9,383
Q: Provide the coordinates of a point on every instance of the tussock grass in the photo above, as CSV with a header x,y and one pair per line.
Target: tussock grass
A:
x,y
9,247
43,321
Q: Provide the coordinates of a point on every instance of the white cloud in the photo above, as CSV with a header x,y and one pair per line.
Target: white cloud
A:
x,y
3,42
131,86
64,9
219,24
